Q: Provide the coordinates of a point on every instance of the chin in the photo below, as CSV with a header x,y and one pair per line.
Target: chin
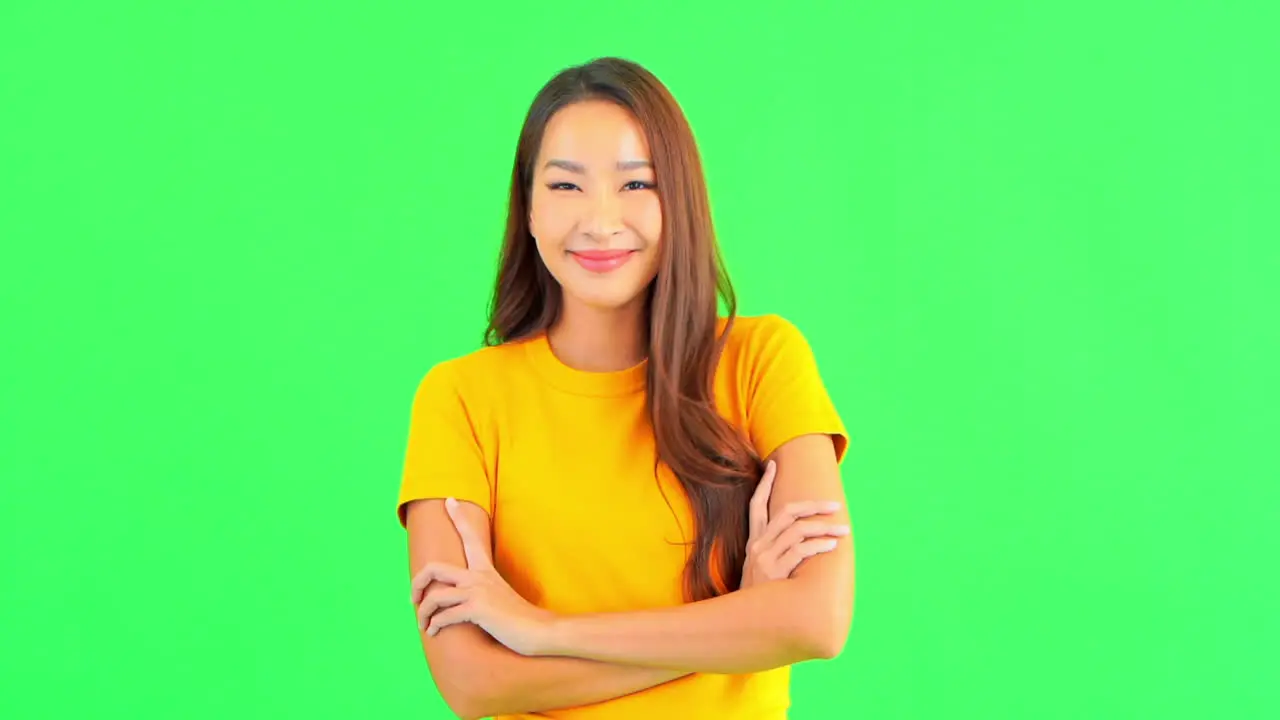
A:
x,y
607,301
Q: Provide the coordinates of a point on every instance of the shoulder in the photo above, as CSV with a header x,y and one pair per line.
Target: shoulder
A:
x,y
752,338
760,347
472,376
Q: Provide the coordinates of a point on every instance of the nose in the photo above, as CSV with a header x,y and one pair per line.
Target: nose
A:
x,y
604,217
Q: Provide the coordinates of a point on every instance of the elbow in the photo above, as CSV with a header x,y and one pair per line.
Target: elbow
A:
x,y
828,633
470,695
465,713
467,671
462,701
829,647
826,629
465,702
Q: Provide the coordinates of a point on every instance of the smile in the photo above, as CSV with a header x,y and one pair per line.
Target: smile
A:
x,y
602,261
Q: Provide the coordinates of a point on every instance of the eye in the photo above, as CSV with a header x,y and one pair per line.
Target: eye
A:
x,y
638,185
562,186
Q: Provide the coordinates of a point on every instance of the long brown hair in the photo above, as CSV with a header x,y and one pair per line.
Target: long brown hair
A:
x,y
714,463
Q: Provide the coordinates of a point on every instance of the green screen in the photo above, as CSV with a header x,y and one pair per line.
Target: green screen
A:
x,y
1033,244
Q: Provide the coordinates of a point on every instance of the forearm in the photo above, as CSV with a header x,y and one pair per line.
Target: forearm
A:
x,y
751,630
497,681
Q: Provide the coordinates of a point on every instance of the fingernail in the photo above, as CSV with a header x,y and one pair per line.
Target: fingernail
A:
x,y
832,506
840,530
829,545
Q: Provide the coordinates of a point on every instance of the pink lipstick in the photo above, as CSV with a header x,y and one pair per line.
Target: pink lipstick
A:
x,y
602,261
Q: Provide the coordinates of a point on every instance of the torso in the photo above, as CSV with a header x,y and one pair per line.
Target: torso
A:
x,y
583,521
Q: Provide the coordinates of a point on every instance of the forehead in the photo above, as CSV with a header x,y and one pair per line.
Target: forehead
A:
x,y
594,132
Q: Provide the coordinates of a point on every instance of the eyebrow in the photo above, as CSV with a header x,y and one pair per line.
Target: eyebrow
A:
x,y
578,168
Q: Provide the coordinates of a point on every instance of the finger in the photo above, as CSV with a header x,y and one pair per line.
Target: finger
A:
x,y
798,553
445,618
439,599
802,530
758,513
472,543
793,512
436,572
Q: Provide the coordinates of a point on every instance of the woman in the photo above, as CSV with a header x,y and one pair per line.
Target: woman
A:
x,y
581,494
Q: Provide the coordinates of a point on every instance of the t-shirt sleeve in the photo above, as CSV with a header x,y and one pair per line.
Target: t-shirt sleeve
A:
x,y
445,457
787,397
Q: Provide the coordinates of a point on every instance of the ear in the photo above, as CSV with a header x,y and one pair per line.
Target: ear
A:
x,y
533,225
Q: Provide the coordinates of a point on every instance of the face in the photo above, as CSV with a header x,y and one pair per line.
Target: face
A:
x,y
594,208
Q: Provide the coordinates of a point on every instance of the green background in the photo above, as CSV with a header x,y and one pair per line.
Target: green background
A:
x,y
1034,245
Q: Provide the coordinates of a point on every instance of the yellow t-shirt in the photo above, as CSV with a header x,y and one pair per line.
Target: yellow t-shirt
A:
x,y
563,462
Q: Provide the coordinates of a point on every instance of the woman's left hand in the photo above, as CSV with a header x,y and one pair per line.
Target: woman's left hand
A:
x,y
477,594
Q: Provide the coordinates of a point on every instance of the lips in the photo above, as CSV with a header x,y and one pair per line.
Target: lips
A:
x,y
602,261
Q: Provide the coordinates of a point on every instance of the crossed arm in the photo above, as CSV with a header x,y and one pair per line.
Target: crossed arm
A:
x,y
479,677
594,658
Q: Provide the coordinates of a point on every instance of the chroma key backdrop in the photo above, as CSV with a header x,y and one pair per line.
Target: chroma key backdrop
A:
x,y
1034,245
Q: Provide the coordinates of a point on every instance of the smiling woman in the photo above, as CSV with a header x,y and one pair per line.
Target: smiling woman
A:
x,y
626,505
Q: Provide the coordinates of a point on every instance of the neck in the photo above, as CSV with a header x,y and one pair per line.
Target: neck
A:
x,y
595,340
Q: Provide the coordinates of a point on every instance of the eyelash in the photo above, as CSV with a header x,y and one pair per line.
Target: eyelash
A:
x,y
570,186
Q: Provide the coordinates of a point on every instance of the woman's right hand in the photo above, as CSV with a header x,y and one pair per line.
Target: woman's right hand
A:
x,y
776,546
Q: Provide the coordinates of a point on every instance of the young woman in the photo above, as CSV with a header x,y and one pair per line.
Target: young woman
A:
x,y
625,505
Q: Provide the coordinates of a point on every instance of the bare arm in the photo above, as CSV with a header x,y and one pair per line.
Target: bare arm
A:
x,y
476,675
754,629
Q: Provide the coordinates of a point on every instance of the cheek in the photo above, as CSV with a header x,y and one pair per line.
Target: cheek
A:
x,y
647,220
549,221
546,226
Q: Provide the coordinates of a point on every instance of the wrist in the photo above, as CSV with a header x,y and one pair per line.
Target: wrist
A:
x,y
557,632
